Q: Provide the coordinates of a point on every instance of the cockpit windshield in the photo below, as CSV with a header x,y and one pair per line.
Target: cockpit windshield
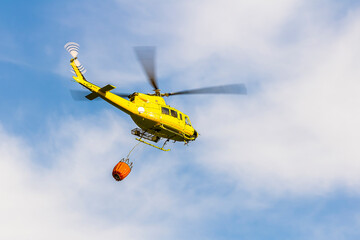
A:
x,y
187,121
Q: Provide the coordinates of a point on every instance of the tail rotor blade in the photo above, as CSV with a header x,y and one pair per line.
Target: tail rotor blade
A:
x,y
72,48
80,66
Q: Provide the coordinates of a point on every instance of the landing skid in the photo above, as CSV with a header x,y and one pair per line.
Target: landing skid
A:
x,y
161,148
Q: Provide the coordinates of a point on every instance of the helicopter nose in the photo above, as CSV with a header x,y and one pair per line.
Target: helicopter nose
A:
x,y
195,134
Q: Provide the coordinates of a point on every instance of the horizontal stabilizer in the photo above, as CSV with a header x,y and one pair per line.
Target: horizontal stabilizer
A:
x,y
92,96
106,88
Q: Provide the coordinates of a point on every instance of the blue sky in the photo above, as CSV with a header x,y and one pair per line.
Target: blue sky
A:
x,y
279,163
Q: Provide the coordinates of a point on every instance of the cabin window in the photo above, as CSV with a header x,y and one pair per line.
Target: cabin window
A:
x,y
187,121
174,113
180,116
165,110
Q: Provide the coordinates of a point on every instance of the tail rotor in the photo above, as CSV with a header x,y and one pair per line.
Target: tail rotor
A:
x,y
73,49
80,66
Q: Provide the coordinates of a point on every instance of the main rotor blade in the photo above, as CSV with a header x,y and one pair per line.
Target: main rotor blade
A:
x,y
80,95
224,89
146,56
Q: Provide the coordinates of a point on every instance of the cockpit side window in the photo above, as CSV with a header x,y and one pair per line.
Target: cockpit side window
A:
x,y
164,110
187,121
180,116
174,113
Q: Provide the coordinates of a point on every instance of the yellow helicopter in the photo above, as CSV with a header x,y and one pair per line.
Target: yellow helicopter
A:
x,y
156,119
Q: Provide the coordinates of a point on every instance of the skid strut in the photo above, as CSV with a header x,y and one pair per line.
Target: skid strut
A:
x,y
148,136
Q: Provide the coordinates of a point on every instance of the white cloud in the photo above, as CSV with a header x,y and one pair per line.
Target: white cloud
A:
x,y
61,186
298,135
40,202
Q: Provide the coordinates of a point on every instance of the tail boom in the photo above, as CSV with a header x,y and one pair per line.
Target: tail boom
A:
x,y
104,92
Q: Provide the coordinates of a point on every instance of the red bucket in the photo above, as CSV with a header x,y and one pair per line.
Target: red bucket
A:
x,y
121,170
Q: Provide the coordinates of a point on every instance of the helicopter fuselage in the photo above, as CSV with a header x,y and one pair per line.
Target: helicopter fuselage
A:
x,y
149,112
